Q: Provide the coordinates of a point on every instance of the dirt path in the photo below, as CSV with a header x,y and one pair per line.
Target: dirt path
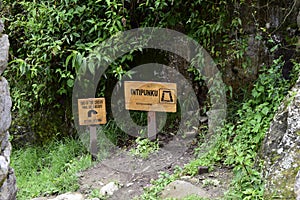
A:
x,y
133,174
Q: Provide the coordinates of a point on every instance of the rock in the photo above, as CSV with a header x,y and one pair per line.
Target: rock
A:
x,y
130,191
5,105
129,184
4,46
190,179
4,168
40,198
1,26
185,178
215,120
109,189
180,189
8,188
297,186
280,148
6,147
203,119
100,183
194,180
69,196
202,170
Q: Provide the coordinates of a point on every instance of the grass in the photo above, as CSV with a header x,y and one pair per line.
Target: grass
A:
x,y
49,169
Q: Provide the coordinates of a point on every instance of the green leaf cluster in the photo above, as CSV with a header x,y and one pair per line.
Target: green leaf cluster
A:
x,y
49,40
144,147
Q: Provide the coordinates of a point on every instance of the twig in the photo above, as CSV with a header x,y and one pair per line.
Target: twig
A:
x,y
293,6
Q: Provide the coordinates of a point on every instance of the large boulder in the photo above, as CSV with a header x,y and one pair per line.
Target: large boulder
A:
x,y
8,187
181,189
281,149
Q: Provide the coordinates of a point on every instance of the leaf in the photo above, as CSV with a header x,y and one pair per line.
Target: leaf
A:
x,y
68,59
255,93
274,48
91,68
70,83
265,110
76,34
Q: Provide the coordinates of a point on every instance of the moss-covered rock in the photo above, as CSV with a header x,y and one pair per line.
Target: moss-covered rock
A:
x,y
281,149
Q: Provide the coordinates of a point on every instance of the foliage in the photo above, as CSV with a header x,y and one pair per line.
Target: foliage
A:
x,y
48,39
216,25
240,140
49,169
144,147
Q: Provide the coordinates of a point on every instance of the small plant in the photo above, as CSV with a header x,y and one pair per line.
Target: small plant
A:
x,y
144,147
158,185
95,193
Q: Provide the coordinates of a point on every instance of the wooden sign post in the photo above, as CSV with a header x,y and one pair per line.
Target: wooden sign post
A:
x,y
152,128
92,111
152,97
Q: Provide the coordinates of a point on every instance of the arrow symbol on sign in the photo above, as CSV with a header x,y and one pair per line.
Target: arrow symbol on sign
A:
x,y
90,112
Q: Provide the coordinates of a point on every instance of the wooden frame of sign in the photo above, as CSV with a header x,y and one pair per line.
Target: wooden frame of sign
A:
x,y
91,112
152,97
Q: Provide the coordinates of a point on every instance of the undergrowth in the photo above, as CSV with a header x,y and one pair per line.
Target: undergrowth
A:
x,y
49,169
144,147
239,142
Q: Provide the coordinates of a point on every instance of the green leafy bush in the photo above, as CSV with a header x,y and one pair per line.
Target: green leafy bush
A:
x,y
241,138
48,39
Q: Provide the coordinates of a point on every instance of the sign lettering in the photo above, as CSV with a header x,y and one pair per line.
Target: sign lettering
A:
x,y
150,96
92,111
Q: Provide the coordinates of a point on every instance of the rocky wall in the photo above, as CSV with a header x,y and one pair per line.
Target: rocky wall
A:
x,y
8,187
281,150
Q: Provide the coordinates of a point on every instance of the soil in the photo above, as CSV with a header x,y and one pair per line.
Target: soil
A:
x,y
133,174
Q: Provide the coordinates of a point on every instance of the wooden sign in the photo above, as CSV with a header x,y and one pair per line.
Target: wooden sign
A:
x,y
92,111
150,96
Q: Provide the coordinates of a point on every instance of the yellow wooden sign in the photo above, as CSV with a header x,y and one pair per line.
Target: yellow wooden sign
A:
x,y
92,111
150,96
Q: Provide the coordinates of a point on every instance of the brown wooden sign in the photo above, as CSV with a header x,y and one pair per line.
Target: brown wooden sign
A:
x,y
92,111
150,96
